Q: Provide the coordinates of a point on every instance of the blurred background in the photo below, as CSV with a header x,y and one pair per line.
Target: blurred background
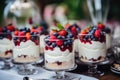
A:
x,y
57,10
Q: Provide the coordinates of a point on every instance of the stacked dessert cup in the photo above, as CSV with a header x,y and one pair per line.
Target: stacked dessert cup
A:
x,y
92,48
6,46
26,50
59,53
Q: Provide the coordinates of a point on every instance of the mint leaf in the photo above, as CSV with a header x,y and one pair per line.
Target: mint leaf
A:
x,y
59,26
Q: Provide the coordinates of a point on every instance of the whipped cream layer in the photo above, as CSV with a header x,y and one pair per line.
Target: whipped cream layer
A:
x,y
58,55
6,44
42,37
108,41
94,50
75,47
28,48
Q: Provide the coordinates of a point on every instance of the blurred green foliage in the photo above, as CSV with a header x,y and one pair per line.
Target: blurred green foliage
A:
x,y
75,9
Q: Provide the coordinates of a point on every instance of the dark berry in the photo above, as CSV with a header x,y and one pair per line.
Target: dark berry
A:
x,y
53,44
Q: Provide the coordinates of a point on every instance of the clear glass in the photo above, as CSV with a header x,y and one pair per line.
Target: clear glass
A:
x,y
98,10
92,52
21,13
59,57
26,52
6,50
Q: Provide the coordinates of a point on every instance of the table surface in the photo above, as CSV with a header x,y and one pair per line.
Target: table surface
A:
x,y
81,69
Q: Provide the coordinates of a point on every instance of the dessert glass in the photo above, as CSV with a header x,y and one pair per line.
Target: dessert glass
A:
x,y
59,57
25,53
92,52
6,50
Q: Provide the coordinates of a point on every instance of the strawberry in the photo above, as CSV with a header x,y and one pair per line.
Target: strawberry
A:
x,y
52,38
100,26
22,33
73,29
62,32
11,28
16,33
97,33
59,42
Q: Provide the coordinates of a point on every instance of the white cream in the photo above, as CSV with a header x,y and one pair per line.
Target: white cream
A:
x,y
42,44
58,55
6,44
94,50
75,47
108,41
26,48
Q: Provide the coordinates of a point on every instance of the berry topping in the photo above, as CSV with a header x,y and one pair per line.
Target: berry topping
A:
x,y
62,32
97,33
59,42
59,38
101,26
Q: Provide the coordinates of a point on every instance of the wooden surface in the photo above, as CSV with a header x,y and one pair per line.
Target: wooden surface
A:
x,y
81,69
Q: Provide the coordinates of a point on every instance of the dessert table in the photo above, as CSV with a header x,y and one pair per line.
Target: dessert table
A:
x,y
78,72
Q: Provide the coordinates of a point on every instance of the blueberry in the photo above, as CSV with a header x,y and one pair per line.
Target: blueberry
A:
x,y
69,41
78,30
15,38
48,43
55,34
31,33
68,30
27,30
94,28
65,43
59,37
92,37
70,35
4,29
87,36
107,30
53,44
63,37
1,37
21,29
75,25
33,38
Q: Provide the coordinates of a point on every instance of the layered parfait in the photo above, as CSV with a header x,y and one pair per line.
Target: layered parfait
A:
x,y
59,50
6,41
92,44
26,48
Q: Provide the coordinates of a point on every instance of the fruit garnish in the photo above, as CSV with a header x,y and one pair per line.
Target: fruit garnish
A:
x,y
11,28
62,32
101,26
97,33
73,29
59,26
59,42
28,35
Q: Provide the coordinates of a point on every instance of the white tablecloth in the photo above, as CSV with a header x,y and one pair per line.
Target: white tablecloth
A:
x,y
42,74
